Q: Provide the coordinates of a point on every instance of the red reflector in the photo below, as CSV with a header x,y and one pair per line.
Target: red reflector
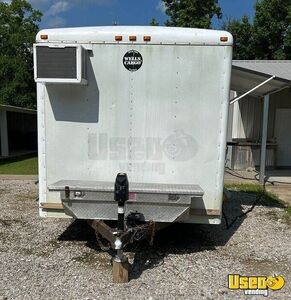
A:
x,y
223,38
118,38
132,38
147,38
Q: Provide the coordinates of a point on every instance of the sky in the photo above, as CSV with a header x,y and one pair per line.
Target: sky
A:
x,y
72,13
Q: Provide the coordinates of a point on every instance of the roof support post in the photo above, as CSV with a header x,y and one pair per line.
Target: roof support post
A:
x,y
264,139
4,133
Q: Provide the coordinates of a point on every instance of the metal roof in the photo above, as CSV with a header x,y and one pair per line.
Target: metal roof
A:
x,y
279,68
246,74
17,109
159,35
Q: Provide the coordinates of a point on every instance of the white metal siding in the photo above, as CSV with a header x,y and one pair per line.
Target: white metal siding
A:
x,y
247,120
247,116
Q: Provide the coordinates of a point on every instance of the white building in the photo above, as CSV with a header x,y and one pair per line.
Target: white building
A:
x,y
18,131
260,115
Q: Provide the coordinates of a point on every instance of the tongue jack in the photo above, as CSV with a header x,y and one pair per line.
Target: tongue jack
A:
x,y
121,192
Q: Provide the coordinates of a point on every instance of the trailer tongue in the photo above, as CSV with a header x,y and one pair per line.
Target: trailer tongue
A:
x,y
142,204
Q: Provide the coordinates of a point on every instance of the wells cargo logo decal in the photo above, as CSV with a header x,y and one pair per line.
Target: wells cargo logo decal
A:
x,y
255,285
132,60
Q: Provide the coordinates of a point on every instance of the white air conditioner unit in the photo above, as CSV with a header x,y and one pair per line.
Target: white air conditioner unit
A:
x,y
57,63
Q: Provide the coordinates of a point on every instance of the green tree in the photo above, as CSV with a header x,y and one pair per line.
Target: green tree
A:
x,y
18,28
272,29
154,22
268,36
243,35
192,13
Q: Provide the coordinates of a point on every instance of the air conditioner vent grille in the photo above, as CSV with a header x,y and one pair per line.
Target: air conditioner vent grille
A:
x,y
56,62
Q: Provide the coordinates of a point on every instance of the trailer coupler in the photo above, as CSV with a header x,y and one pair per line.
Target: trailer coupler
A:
x,y
131,230
118,239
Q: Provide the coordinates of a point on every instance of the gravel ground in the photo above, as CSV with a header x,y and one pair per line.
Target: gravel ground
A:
x,y
59,259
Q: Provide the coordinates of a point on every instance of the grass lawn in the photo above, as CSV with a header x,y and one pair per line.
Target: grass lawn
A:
x,y
21,166
269,199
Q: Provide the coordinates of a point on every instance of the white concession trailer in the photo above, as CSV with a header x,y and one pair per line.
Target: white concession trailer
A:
x,y
149,102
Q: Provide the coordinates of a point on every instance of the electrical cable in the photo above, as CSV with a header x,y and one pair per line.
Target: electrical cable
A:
x,y
236,174
273,181
257,200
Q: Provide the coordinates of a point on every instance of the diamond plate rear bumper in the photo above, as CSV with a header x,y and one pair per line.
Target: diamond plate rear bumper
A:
x,y
157,202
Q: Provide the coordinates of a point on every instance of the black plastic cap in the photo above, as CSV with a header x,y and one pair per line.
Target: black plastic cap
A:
x,y
121,188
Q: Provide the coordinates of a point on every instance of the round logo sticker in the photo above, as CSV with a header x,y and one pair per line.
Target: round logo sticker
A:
x,y
132,60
